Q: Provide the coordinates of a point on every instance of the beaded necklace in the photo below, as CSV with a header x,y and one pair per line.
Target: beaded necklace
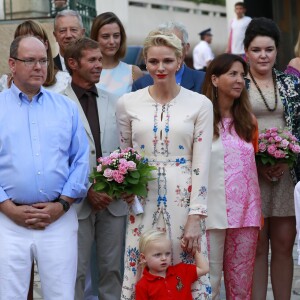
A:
x,y
261,94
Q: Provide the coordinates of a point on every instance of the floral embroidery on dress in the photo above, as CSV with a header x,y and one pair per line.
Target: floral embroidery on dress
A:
x,y
132,219
180,161
123,139
137,231
182,196
164,150
186,257
198,138
203,191
133,257
196,171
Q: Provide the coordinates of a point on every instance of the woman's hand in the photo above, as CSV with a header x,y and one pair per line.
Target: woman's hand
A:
x,y
279,169
271,172
264,171
191,241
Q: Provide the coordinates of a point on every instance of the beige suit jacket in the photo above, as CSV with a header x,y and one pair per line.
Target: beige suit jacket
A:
x,y
106,104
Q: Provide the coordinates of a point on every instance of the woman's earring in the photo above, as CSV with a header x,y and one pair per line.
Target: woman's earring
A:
x,y
216,92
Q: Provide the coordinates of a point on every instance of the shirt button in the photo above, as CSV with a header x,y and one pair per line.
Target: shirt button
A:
x,y
93,152
39,173
41,190
37,154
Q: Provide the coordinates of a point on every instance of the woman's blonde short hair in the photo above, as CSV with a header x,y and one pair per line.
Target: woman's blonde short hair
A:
x,y
159,38
149,237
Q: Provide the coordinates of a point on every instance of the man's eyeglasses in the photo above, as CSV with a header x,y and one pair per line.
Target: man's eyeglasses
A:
x,y
32,62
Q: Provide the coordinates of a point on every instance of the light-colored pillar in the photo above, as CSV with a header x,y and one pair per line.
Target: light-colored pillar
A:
x,y
16,9
1,10
119,7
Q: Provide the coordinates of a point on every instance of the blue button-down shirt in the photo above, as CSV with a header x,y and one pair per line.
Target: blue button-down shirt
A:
x,y
43,148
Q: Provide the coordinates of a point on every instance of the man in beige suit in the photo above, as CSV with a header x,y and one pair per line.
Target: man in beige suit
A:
x,y
101,218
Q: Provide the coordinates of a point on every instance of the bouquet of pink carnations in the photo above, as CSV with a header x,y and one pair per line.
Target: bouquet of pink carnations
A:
x,y
123,171
277,145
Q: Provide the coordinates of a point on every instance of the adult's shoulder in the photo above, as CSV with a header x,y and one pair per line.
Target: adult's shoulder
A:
x,y
58,99
135,97
142,82
195,99
194,73
285,78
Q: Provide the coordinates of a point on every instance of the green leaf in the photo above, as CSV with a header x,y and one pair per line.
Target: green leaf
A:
x,y
139,190
99,186
134,174
133,180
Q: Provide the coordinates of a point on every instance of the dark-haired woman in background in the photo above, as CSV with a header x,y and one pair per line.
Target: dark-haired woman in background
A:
x,y
276,102
116,76
234,204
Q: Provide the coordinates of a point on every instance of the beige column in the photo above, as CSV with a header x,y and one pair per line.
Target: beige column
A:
x,y
119,7
16,9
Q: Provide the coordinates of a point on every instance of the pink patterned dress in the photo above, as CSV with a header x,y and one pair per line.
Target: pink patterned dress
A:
x,y
241,183
234,213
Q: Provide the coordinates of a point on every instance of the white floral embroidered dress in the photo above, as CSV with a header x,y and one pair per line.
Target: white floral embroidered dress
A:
x,y
176,138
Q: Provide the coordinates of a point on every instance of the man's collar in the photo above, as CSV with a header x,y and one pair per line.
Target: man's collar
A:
x,y
79,91
21,96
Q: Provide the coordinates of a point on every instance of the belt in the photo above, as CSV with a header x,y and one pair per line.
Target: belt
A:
x,y
20,204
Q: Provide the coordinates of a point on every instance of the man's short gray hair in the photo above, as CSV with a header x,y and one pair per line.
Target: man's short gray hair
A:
x,y
66,13
171,25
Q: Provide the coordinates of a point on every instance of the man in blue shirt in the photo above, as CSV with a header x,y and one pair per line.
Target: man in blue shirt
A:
x,y
43,170
185,76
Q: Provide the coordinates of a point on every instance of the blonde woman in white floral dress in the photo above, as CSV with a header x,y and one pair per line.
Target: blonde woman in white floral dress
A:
x,y
172,127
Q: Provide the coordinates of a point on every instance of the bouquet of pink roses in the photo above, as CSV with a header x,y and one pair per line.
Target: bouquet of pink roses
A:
x,y
123,171
277,145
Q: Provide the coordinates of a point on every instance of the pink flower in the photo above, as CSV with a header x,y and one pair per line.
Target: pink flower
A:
x,y
267,135
279,154
284,143
273,129
296,149
261,136
106,160
131,166
271,140
262,147
99,168
119,178
108,173
123,169
278,138
114,155
271,149
122,161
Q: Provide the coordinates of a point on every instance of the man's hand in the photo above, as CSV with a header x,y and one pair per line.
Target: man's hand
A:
x,y
128,198
98,201
26,215
53,209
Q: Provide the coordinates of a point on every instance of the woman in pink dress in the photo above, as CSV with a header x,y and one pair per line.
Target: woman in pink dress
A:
x,y
234,204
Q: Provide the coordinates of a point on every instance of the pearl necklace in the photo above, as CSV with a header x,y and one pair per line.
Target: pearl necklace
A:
x,y
261,94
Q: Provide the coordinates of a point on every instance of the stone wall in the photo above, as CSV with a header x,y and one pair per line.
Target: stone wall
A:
x,y
7,29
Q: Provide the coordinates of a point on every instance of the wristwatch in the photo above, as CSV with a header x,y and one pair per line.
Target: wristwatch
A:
x,y
64,203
